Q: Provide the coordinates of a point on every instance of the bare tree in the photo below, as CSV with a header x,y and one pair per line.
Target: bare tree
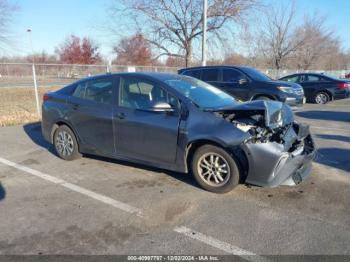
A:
x,y
6,12
172,26
276,38
41,58
319,43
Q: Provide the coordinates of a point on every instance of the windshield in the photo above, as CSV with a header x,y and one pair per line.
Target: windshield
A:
x,y
202,94
256,74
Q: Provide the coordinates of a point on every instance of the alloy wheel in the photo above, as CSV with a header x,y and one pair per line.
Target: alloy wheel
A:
x,y
64,143
321,98
213,169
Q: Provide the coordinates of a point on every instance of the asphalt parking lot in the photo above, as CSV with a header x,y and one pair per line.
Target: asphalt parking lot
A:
x,y
101,206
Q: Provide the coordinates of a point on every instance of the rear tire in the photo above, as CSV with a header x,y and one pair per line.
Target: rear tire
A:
x,y
66,144
214,169
322,98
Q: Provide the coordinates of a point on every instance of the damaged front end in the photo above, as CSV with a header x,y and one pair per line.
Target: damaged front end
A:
x,y
279,151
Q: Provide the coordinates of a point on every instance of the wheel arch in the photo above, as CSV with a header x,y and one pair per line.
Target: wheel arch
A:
x,y
236,152
329,93
266,95
61,123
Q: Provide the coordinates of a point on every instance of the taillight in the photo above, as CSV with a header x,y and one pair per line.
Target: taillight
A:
x,y
45,97
342,85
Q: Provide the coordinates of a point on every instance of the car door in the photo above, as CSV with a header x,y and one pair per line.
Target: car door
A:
x,y
310,84
140,132
91,114
236,83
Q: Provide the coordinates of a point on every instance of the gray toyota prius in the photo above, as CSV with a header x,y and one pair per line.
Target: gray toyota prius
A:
x,y
182,124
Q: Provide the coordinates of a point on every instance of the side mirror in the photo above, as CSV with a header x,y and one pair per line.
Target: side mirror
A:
x,y
162,107
242,81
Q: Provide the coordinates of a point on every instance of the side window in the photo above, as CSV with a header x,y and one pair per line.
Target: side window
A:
x,y
141,94
173,101
196,73
79,90
293,79
231,75
99,90
312,78
210,75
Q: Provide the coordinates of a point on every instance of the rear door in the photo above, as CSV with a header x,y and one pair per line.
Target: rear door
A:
x,y
141,133
91,114
311,84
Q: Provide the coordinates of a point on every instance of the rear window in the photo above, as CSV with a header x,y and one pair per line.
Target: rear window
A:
x,y
313,78
210,75
99,90
67,90
80,90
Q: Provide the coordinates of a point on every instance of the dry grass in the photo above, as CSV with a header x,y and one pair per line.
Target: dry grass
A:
x,y
17,105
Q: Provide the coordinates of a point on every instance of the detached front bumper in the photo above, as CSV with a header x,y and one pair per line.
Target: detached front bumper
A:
x,y
272,164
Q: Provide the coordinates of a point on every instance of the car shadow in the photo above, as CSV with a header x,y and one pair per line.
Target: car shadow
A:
x,y
184,178
334,137
33,131
334,157
2,192
325,115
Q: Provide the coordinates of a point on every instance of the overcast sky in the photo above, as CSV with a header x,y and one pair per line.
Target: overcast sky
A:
x,y
53,20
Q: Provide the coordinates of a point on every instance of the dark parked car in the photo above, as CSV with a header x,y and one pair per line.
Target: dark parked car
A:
x,y
319,88
179,123
347,75
246,83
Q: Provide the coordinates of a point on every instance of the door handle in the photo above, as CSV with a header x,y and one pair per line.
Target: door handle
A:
x,y
120,116
75,107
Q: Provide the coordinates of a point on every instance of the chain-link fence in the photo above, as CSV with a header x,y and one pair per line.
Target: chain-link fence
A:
x,y
17,92
48,75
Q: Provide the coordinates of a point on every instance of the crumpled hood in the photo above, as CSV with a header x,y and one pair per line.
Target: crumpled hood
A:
x,y
276,114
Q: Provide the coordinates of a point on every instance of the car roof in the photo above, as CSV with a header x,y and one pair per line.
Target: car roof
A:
x,y
155,75
216,66
309,73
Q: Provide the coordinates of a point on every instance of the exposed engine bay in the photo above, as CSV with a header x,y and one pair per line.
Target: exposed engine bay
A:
x,y
279,150
268,125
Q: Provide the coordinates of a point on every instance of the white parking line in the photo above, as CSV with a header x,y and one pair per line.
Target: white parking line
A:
x,y
228,248
107,200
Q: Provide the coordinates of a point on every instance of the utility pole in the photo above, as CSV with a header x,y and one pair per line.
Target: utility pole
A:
x,y
29,31
204,38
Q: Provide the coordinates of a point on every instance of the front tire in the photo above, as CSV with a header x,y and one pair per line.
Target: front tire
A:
x,y
66,144
322,98
215,169
264,98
